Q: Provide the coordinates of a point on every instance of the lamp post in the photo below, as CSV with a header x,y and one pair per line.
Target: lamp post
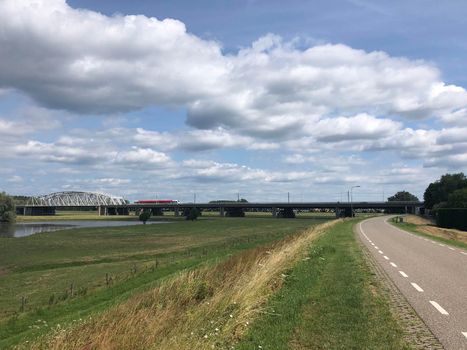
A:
x,y
351,200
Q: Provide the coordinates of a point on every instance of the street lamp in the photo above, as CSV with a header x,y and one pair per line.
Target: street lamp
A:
x,y
351,200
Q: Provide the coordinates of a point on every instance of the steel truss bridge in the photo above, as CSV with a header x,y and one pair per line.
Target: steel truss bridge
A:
x,y
76,199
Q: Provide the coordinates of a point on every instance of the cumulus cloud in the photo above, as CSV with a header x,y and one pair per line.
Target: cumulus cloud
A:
x,y
85,62
361,126
142,157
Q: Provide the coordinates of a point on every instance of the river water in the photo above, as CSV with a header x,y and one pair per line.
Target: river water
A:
x,y
30,228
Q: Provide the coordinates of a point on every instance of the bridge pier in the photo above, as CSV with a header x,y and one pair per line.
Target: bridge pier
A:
x,y
102,210
177,211
221,211
274,212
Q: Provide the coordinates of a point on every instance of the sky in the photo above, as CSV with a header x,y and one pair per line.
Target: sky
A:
x,y
258,99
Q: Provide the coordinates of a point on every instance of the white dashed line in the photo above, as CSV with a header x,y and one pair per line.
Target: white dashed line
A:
x,y
372,244
451,248
403,274
464,253
465,334
386,257
438,307
379,251
417,287
376,247
441,245
393,265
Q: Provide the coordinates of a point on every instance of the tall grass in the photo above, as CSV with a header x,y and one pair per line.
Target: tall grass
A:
x,y
210,307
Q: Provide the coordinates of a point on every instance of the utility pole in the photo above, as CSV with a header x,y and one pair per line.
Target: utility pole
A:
x,y
238,196
288,197
351,200
194,198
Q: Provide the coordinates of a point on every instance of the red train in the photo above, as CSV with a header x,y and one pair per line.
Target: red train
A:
x,y
156,201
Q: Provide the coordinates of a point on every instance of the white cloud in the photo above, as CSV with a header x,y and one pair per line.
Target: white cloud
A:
x,y
142,157
84,61
361,126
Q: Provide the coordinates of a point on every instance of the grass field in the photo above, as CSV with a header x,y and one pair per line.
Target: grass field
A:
x,y
329,301
62,275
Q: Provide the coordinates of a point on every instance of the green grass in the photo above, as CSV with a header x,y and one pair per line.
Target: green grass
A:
x,y
414,229
41,265
329,301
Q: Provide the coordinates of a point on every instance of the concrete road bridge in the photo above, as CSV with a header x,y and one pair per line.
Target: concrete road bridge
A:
x,y
112,205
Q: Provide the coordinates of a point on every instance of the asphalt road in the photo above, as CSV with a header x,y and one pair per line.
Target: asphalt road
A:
x,y
432,276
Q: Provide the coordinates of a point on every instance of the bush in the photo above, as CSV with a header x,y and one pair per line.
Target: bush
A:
x,y
286,213
193,214
452,218
234,212
7,208
144,216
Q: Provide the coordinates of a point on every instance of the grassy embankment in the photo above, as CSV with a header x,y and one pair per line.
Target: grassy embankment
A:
x,y
329,301
307,291
425,228
42,267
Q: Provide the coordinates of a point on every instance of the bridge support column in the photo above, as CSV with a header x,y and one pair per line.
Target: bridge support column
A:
x,y
176,212
103,211
274,212
221,211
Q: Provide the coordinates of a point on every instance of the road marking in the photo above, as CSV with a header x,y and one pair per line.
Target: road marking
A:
x,y
451,248
372,243
442,245
386,257
438,307
403,274
379,251
464,253
376,247
392,264
417,287
465,334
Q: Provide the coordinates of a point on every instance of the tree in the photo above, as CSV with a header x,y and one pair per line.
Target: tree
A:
x,y
193,214
439,191
144,216
458,199
403,196
7,208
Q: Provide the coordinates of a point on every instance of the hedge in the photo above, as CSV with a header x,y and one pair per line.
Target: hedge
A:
x,y
452,218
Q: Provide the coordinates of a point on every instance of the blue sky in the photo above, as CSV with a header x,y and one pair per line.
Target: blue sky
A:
x,y
220,97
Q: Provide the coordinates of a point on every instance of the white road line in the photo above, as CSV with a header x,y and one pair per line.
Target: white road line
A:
x,y
442,245
379,251
372,244
465,334
438,307
464,253
392,264
451,248
417,287
403,274
386,257
376,247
